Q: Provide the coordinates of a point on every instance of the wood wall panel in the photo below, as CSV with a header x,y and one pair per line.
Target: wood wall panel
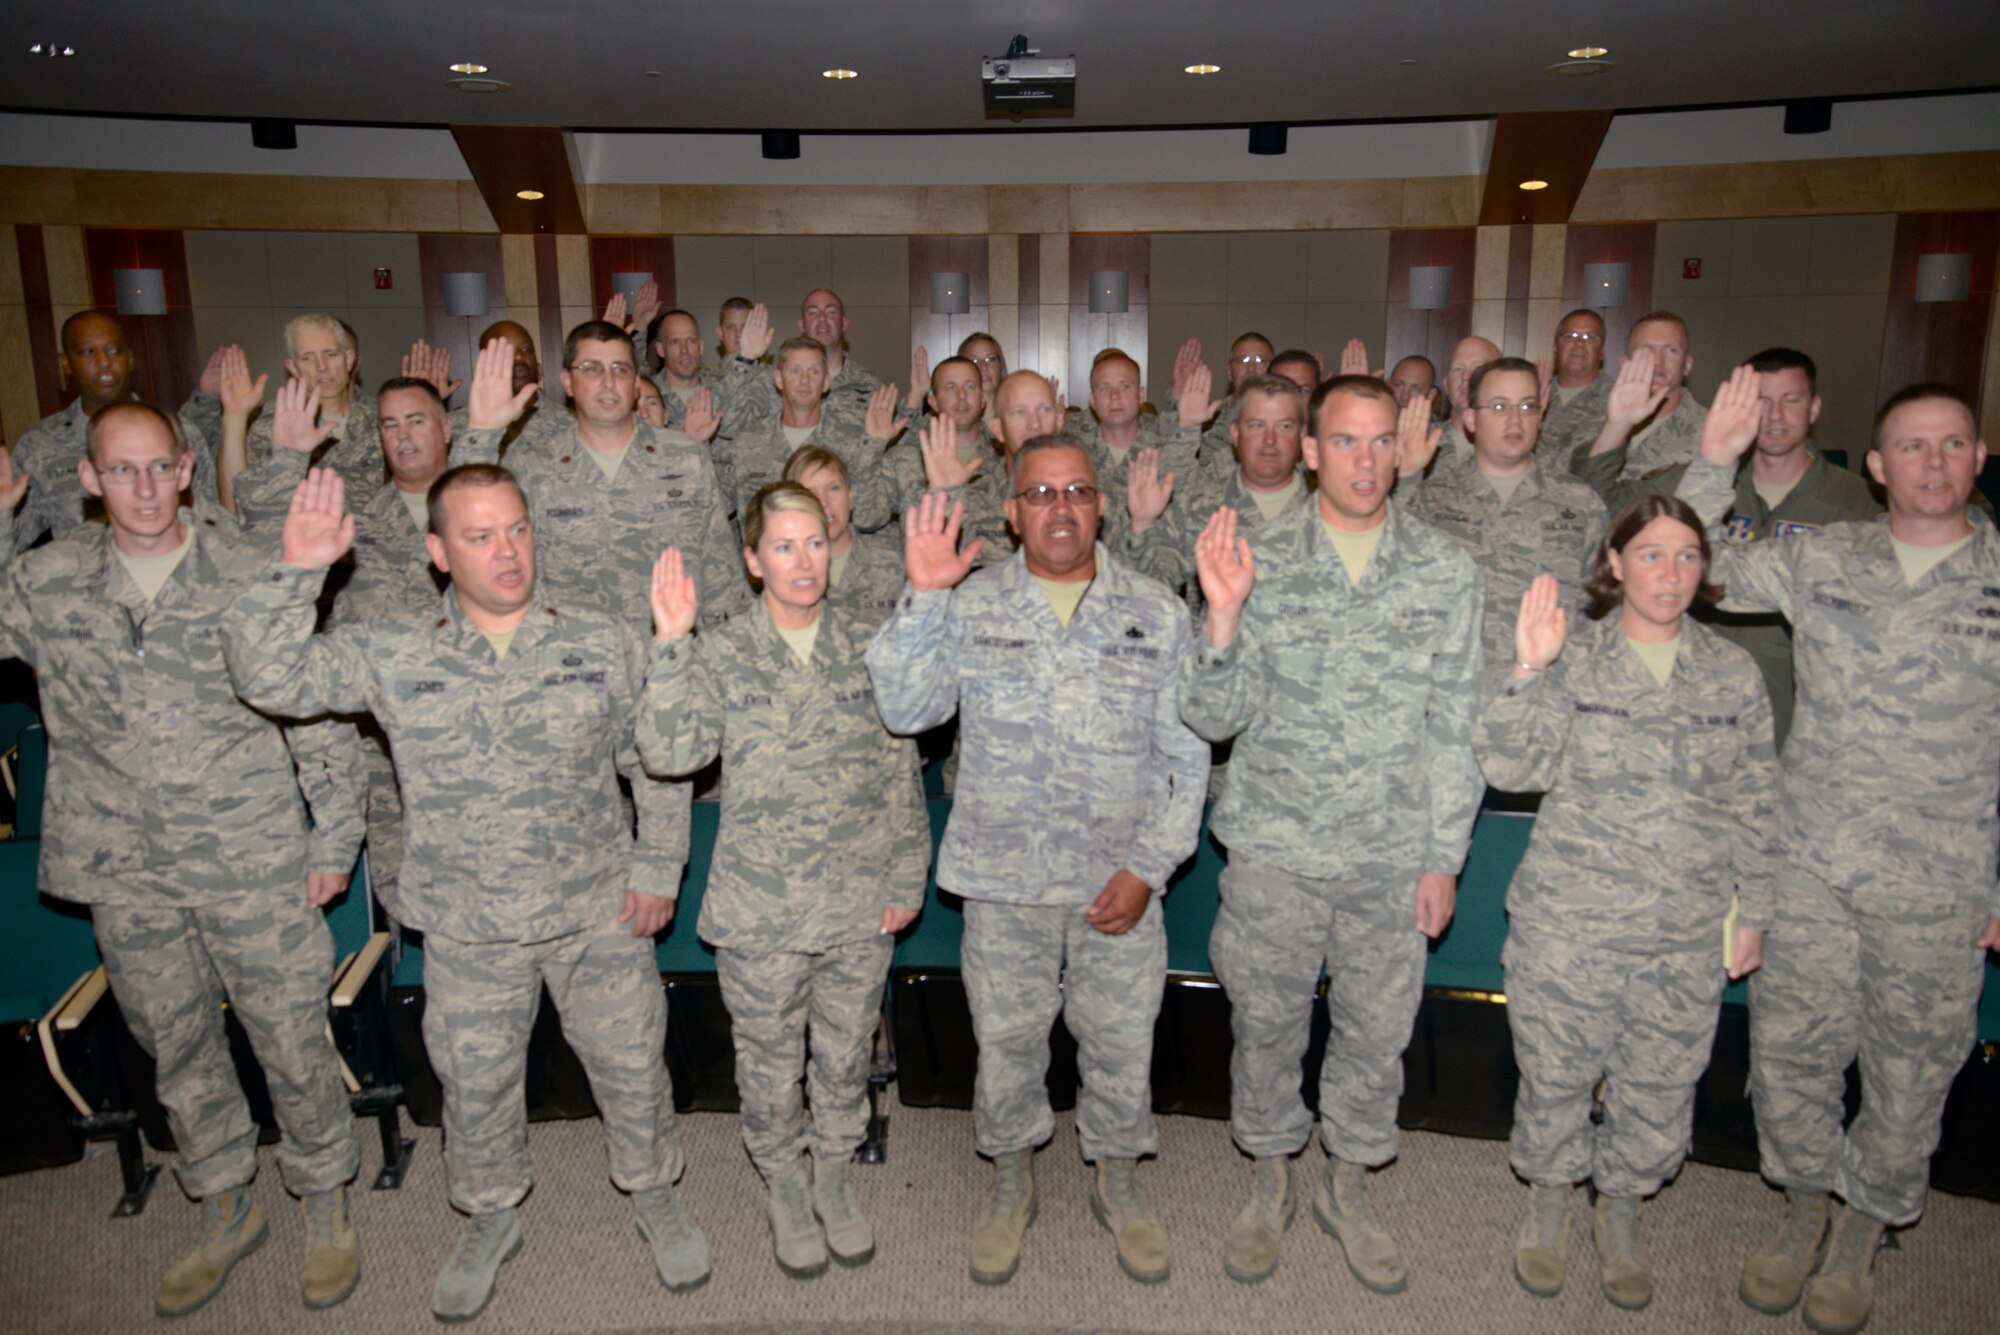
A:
x,y
166,366
1939,340
50,392
1429,333
631,254
940,335
549,331
1090,334
1611,243
438,255
1520,277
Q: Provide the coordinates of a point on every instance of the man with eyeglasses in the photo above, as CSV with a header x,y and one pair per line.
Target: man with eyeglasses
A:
x,y
1343,656
174,813
96,360
1579,359
1518,514
320,354
1079,793
1116,432
1783,486
1250,356
1647,411
609,491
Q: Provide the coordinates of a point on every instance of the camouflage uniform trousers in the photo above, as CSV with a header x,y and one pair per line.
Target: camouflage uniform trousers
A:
x,y
1273,932
1644,1023
272,957
1898,989
1023,965
773,997
480,1004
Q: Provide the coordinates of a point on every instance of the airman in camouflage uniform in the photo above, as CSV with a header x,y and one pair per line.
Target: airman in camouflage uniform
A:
x,y
1889,833
542,420
748,391
1079,794
1549,521
320,354
865,571
1646,407
1114,431
1811,492
1370,674
1661,804
510,721
97,360
674,338
1576,360
820,861
173,812
756,456
594,532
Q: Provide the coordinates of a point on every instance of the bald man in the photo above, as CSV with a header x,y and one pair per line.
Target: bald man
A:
x,y
1467,356
541,419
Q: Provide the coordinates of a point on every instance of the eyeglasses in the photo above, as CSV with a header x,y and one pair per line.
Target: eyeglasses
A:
x,y
125,475
1580,336
1500,408
1042,494
598,370
991,359
1250,359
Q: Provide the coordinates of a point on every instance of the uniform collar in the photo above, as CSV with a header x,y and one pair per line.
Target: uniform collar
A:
x,y
196,570
456,629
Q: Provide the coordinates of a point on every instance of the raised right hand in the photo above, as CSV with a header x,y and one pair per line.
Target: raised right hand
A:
x,y
755,340
13,485
239,394
1540,628
296,424
1734,419
674,597
931,557
492,404
943,469
1416,439
1633,398
1354,358
318,529
1185,361
1227,571
1147,491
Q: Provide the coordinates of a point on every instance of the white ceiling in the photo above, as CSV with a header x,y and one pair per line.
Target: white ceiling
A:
x,y
755,64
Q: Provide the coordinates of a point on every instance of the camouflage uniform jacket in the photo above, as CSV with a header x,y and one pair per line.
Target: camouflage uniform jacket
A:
x,y
824,822
1166,549
1662,801
984,497
758,454
749,393
1355,704
1553,522
1569,430
597,540
354,450
164,789
707,378
1891,776
542,420
1074,762
509,768
1177,445
1660,443
871,583
1560,398
48,452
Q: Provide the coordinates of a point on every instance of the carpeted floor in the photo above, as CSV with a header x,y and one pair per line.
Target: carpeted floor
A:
x,y
1452,1203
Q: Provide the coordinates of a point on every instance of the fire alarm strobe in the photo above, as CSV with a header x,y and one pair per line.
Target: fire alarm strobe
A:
x,y
1025,83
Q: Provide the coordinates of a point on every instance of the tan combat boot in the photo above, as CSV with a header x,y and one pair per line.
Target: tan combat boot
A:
x,y
796,1238
849,1238
1775,1276
1541,1249
1843,1289
1627,1274
1142,1243
233,1229
1340,1204
996,1240
333,1252
1250,1253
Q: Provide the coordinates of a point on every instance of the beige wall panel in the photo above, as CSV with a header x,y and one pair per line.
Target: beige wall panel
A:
x,y
1269,266
10,267
1713,240
572,316
784,269
870,271
19,405
1489,320
827,210
473,215
1054,262
1846,343
1329,324
1003,269
614,210
708,270
1547,249
1544,314
878,337
573,272
1190,268
258,330
517,269
1441,201
1283,322
1491,249
1347,266
1853,253
1053,359
1933,181
69,270
231,268
1004,323
1773,257
303,271
37,195
1027,208
1929,181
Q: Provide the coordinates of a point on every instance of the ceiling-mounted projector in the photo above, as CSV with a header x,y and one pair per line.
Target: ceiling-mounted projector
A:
x,y
1025,83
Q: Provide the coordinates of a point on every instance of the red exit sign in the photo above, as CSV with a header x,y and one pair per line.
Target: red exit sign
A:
x,y
1690,267
384,280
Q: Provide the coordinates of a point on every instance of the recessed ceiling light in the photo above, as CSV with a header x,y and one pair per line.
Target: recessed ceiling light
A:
x,y
468,67
1203,68
528,194
838,74
1588,53
53,50
1534,185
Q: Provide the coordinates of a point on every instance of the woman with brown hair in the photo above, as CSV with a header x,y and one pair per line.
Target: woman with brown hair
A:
x,y
1651,736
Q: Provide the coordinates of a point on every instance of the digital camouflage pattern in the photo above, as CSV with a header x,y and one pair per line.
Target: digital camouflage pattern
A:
x,y
1166,549
541,421
1661,443
823,816
870,584
1074,763
514,829
49,451
596,540
757,455
353,450
1570,428
1177,445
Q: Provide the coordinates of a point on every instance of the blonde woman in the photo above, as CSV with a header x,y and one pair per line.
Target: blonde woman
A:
x,y
820,860
865,570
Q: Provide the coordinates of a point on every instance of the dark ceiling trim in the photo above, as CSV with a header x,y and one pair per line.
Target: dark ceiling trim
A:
x,y
1554,147
507,159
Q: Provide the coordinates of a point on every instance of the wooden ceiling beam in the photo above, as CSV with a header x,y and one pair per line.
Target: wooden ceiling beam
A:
x,y
508,159
1554,146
